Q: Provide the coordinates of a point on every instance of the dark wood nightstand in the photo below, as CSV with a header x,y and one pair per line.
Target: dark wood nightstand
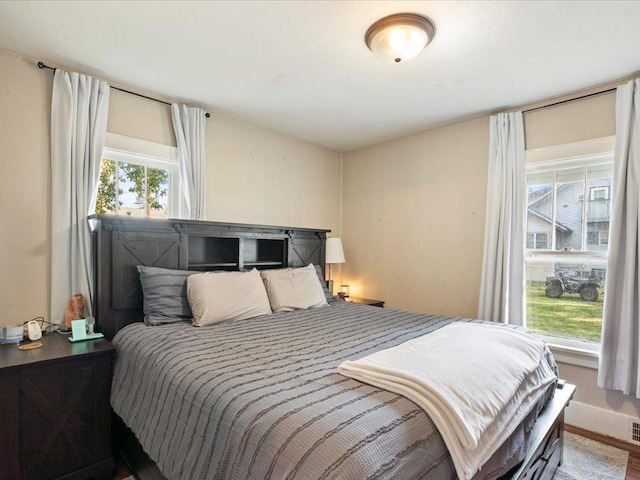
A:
x,y
55,415
365,301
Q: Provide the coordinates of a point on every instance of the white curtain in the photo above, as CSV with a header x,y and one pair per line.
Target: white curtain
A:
x,y
619,348
79,110
502,283
189,127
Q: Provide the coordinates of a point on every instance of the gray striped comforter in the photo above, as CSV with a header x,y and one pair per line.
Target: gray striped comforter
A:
x,y
261,398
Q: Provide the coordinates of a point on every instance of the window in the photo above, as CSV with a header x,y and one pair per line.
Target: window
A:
x,y
139,179
599,193
598,238
538,240
567,245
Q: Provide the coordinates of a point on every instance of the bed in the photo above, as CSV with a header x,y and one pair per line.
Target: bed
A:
x,y
262,398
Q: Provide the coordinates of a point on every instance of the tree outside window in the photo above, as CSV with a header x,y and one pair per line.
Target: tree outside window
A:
x,y
131,189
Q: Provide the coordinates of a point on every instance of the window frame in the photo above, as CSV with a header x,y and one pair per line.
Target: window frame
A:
x,y
124,149
587,153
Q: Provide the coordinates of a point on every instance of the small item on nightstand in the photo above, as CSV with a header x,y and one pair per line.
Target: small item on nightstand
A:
x,y
12,334
30,346
34,332
91,322
344,291
79,330
75,310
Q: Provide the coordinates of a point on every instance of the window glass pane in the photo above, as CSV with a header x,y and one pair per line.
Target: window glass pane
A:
x,y
564,297
568,210
542,241
569,204
157,192
599,179
106,198
132,183
139,184
539,210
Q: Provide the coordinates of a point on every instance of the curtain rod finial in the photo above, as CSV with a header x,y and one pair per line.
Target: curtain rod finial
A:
x,y
42,66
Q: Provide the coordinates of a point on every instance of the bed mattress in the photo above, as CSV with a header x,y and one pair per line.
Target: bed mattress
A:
x,y
262,398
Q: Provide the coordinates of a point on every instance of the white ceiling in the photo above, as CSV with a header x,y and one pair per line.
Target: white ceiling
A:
x,y
301,68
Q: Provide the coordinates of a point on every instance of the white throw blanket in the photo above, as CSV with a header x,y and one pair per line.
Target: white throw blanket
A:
x,y
477,382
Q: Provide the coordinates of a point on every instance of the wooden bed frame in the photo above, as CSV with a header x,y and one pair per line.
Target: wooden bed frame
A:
x,y
122,243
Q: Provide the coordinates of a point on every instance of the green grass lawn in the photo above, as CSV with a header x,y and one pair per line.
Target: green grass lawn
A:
x,y
567,316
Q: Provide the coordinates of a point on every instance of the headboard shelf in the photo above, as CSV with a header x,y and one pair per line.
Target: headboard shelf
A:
x,y
213,266
121,244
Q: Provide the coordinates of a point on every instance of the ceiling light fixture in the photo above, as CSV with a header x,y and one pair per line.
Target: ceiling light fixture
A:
x,y
399,37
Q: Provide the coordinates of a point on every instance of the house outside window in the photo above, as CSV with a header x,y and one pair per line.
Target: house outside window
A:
x,y
138,179
565,273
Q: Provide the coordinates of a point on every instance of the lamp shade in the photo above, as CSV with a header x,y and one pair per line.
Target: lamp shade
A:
x,y
334,252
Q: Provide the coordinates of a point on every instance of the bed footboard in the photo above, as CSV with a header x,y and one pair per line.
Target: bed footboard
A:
x,y
544,453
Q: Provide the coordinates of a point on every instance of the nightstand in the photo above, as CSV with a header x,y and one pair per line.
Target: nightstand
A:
x,y
365,301
55,417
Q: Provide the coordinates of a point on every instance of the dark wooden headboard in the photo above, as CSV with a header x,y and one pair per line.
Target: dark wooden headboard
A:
x,y
122,243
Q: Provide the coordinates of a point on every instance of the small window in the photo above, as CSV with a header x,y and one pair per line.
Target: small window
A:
x,y
599,193
538,240
138,184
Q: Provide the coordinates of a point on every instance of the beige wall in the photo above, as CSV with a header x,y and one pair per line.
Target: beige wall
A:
x,y
253,175
588,391
413,219
140,118
25,100
257,176
591,117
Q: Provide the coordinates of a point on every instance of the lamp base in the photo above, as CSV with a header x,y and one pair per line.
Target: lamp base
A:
x,y
330,286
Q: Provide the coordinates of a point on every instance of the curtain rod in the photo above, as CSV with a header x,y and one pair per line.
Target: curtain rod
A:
x,y
572,96
560,102
41,65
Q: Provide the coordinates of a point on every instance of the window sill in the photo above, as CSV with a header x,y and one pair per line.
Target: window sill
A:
x,y
574,356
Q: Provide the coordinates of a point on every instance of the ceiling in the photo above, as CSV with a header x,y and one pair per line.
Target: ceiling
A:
x,y
301,68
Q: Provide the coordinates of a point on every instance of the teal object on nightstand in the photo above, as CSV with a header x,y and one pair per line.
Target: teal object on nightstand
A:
x,y
79,331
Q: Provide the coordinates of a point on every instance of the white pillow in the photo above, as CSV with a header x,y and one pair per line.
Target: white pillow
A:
x,y
293,288
218,296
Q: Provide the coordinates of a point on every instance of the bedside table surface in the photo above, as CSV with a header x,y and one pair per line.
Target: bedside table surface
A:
x,y
363,301
54,346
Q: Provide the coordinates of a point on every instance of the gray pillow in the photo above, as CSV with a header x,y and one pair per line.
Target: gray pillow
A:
x,y
165,295
327,294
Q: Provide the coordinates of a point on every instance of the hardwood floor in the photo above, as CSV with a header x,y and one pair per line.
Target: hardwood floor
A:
x,y
633,465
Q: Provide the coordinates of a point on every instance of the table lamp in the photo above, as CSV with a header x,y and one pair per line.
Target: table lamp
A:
x,y
334,254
